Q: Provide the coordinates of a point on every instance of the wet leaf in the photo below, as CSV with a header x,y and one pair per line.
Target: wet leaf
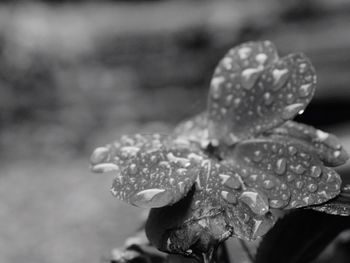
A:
x,y
194,130
327,146
285,170
151,171
300,236
259,97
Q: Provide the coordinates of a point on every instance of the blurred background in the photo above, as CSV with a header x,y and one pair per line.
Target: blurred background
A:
x,y
77,74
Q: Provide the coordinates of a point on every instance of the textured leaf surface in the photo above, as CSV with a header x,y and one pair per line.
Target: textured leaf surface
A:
x,y
326,145
251,97
299,237
286,171
151,171
194,130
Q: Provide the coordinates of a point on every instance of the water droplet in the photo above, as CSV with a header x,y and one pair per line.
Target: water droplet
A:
x,y
285,197
312,188
233,183
216,87
290,98
227,63
298,169
290,111
302,68
290,177
315,171
249,77
237,102
305,90
228,100
172,181
99,155
229,197
322,136
268,184
284,187
133,169
151,198
224,178
299,184
276,203
253,177
281,165
181,187
257,202
154,158
257,156
280,77
336,154
305,156
292,150
274,148
105,168
261,58
244,52
268,99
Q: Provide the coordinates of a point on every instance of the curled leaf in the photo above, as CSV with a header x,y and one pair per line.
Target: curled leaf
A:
x,y
327,146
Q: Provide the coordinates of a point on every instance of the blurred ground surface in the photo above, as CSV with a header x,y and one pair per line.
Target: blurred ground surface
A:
x,y
76,76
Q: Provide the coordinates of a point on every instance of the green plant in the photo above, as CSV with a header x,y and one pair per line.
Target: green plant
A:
x,y
232,170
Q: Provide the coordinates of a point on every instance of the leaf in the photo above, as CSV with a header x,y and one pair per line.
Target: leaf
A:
x,y
327,146
300,236
285,170
194,130
251,98
151,171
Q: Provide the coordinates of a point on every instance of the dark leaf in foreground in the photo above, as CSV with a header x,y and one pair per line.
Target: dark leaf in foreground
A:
x,y
300,236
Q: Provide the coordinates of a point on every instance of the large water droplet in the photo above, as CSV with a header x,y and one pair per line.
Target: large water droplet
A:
x,y
280,77
281,165
291,110
292,150
105,167
268,184
233,183
305,90
151,198
249,77
315,171
257,202
227,63
216,87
